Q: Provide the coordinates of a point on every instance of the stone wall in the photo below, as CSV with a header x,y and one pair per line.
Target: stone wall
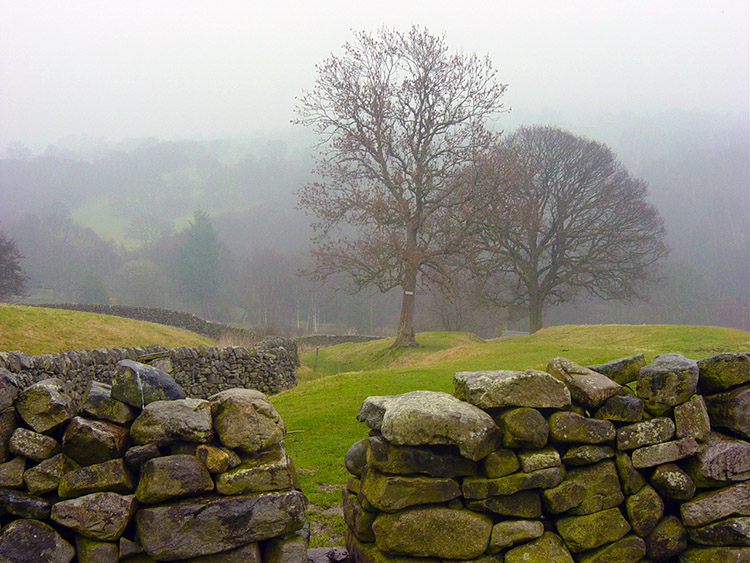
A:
x,y
269,366
621,462
140,473
168,317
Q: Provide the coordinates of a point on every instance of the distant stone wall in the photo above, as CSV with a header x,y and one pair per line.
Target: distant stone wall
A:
x,y
312,341
165,479
176,319
624,462
269,366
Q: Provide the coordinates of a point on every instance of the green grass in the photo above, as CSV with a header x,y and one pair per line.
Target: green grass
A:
x,y
37,330
320,412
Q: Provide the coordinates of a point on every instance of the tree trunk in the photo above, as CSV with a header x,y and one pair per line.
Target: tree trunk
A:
x,y
405,337
535,313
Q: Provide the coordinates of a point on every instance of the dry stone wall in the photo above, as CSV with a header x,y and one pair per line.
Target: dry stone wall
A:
x,y
617,463
138,472
269,366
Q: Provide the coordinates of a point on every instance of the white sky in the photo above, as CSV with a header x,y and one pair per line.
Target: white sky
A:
x,y
205,69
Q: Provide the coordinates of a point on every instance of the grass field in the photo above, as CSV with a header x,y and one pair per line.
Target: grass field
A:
x,y
37,330
320,412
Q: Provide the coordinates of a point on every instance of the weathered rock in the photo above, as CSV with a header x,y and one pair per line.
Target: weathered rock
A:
x,y
26,540
629,549
569,427
356,456
730,410
504,388
585,490
500,463
729,532
207,525
93,441
621,408
164,422
664,452
92,551
357,519
523,427
630,478
45,477
592,530
8,425
136,456
646,433
621,370
671,379
431,418
435,461
708,507
672,482
170,477
523,504
271,470
289,548
723,371
433,532
140,384
390,493
33,445
547,549
98,516
667,539
109,476
11,473
97,403
586,386
692,420
716,555
721,460
245,419
644,510
510,532
24,505
248,553
477,487
330,555
45,406
587,454
216,460
9,389
534,460
128,548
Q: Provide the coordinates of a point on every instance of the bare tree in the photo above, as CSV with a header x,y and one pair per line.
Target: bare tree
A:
x,y
399,118
561,215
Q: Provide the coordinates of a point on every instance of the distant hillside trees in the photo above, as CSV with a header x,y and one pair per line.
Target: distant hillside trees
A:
x,y
12,279
560,215
198,268
398,117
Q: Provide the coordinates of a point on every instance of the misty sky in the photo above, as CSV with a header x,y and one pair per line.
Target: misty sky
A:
x,y
205,69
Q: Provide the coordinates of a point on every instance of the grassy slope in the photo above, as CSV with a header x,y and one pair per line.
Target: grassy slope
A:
x,y
37,330
321,411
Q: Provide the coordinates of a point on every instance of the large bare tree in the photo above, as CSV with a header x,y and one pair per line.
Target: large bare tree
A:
x,y
399,119
560,215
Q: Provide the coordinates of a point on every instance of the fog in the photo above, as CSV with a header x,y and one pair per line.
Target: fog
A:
x,y
198,69
122,118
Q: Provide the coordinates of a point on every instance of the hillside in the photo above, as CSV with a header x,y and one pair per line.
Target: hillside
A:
x,y
37,330
320,412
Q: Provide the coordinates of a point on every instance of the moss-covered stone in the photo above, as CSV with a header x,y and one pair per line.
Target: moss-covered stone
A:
x,y
585,490
109,476
729,410
390,493
357,519
646,433
433,532
246,420
592,530
523,427
92,551
45,406
669,380
510,532
505,388
477,487
587,454
435,461
523,504
547,549
173,476
166,422
93,441
569,427
672,482
33,445
692,420
45,477
644,510
586,386
667,539
622,370
11,473
630,549
271,470
665,452
729,532
98,403
716,555
630,478
500,463
723,371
